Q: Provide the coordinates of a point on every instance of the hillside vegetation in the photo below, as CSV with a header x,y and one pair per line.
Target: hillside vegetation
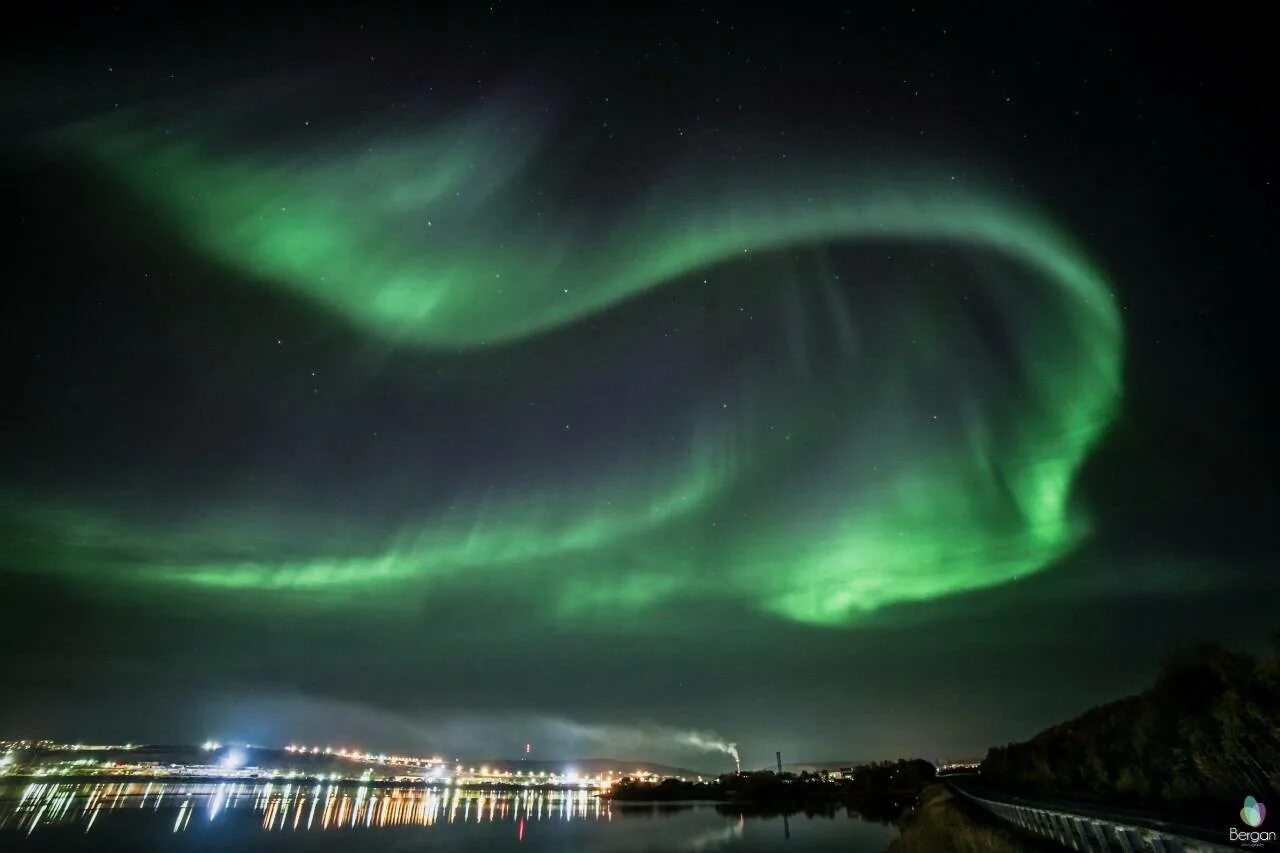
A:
x,y
1208,729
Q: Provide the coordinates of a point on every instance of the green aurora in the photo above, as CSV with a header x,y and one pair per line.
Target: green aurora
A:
x,y
820,495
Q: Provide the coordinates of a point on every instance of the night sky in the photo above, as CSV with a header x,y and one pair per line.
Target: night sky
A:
x,y
853,383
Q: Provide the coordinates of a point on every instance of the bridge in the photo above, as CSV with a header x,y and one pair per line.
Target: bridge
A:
x,y
1085,827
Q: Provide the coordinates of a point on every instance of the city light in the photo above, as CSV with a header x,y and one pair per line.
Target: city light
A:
x,y
45,758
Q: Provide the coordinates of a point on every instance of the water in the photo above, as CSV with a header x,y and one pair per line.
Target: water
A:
x,y
242,816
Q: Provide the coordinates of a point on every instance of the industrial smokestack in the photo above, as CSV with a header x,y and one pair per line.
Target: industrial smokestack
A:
x,y
779,754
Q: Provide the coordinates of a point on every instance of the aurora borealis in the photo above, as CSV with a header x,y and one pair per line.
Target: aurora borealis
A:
x,y
985,502
398,354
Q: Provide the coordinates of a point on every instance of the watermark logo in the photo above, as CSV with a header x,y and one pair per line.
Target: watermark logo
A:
x,y
1253,813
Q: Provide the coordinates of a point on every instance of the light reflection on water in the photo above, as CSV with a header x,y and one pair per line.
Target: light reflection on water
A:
x,y
288,807
138,816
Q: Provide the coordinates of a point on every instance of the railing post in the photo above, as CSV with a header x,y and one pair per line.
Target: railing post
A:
x,y
1167,845
1099,833
1064,830
1086,843
1130,841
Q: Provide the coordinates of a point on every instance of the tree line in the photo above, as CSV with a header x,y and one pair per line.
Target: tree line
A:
x,y
1207,729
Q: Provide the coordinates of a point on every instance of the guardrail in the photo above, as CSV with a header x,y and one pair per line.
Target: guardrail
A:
x,y
1090,832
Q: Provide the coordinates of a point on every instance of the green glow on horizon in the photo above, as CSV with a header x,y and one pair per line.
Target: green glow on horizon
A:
x,y
433,242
